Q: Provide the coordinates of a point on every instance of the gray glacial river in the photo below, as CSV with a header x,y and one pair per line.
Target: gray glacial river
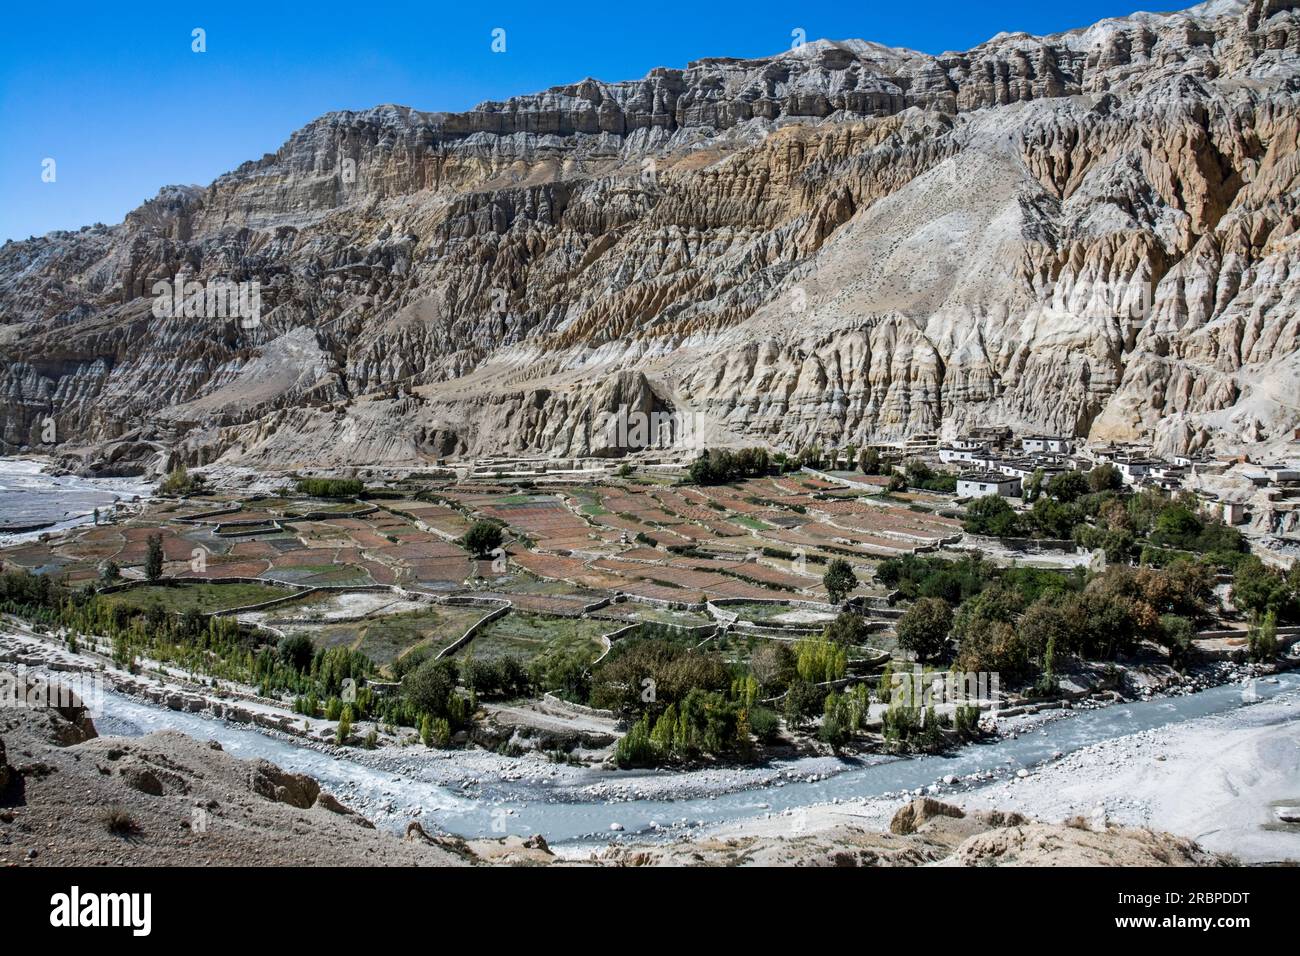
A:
x,y
391,797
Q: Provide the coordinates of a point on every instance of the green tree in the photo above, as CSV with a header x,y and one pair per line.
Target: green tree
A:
x,y
1258,590
924,627
1263,639
430,686
110,573
839,580
296,650
869,461
849,629
1068,486
991,515
1176,635
1105,478
1034,485
482,539
153,560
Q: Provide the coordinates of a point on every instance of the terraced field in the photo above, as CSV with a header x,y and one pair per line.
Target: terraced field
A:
x,y
199,596
386,637
534,636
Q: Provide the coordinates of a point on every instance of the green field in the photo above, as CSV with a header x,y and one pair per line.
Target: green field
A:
x,y
197,597
386,637
530,636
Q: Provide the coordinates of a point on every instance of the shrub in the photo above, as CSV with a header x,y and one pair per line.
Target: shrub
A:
x,y
330,487
118,821
764,724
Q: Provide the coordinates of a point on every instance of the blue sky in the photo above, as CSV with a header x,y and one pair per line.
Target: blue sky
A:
x,y
115,96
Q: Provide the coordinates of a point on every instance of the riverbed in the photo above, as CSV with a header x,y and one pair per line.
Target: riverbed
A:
x,y
578,808
44,503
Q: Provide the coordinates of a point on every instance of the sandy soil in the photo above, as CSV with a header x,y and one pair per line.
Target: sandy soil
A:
x,y
1215,780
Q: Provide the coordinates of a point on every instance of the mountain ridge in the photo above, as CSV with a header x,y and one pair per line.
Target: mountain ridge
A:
x,y
831,244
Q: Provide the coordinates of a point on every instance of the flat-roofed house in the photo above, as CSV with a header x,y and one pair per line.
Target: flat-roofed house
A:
x,y
1046,445
982,484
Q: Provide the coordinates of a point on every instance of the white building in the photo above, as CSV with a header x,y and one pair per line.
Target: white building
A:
x,y
1046,445
981,484
1234,512
957,452
1133,469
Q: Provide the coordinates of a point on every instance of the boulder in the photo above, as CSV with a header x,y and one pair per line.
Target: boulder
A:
x,y
269,781
911,817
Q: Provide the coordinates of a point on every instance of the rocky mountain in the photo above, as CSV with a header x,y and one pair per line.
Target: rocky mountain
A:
x,y
1093,233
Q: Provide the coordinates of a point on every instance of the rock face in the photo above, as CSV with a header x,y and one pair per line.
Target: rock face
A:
x,y
1091,233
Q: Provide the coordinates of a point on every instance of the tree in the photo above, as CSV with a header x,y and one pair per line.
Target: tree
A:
x,y
1258,590
110,573
153,560
924,627
802,702
1105,478
839,580
1263,639
1034,485
993,516
869,461
897,483
296,650
1068,486
344,729
430,686
1054,519
772,665
849,629
482,539
1176,635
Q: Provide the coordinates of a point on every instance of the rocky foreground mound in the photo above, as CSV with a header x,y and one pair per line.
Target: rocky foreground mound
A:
x,y
840,242
927,832
70,797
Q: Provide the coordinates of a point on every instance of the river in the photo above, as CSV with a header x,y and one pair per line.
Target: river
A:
x,y
391,798
49,503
